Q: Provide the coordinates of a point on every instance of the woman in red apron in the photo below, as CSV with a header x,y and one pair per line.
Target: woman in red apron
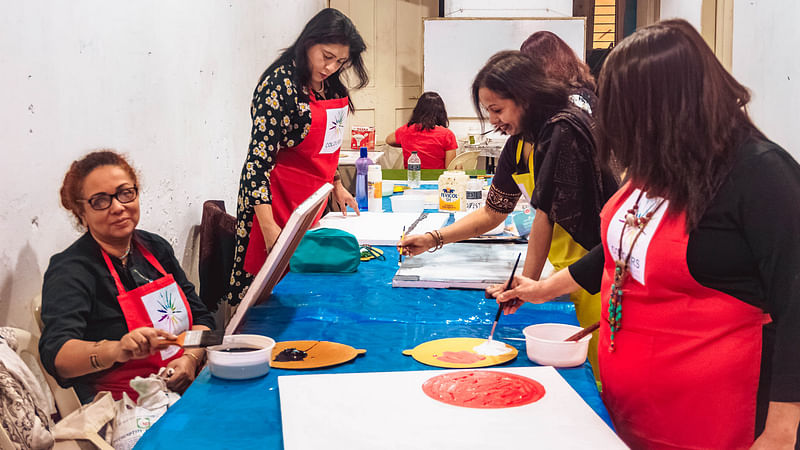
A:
x,y
699,341
109,299
299,110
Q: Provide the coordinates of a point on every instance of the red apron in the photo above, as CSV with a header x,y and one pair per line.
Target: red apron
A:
x,y
686,365
300,170
158,304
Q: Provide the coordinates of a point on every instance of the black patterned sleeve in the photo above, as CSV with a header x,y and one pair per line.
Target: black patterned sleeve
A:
x,y
504,192
277,115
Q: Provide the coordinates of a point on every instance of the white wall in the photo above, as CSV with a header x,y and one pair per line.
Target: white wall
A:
x,y
689,10
167,82
766,42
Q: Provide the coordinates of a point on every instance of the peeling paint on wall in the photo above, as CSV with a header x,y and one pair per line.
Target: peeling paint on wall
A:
x,y
129,79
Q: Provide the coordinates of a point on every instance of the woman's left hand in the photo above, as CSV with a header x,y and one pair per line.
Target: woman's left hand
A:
x,y
184,369
344,199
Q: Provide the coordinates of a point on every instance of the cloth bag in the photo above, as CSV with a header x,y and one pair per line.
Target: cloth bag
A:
x,y
87,426
133,419
326,250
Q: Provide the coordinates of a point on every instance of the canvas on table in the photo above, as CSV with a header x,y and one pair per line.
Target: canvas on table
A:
x,y
389,410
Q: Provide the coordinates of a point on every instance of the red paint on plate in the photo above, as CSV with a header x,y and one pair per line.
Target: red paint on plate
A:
x,y
483,389
462,357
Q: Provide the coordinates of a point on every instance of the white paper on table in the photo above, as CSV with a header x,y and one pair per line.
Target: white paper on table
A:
x,y
389,410
376,228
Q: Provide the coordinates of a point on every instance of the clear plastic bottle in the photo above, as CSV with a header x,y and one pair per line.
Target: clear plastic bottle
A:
x,y
362,166
414,170
375,188
474,194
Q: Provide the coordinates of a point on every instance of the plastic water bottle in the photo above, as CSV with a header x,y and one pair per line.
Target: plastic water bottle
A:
x,y
474,194
414,170
375,188
362,167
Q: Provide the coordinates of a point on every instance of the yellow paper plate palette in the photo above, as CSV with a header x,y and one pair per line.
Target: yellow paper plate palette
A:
x,y
457,353
311,354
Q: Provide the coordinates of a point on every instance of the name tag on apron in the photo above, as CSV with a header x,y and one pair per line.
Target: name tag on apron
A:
x,y
334,130
639,257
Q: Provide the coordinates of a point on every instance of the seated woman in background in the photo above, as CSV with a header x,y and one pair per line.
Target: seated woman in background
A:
x,y
111,296
426,133
699,246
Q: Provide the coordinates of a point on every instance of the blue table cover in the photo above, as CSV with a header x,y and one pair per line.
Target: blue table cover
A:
x,y
361,310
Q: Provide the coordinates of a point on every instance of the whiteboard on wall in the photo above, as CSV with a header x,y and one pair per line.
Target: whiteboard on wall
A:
x,y
455,49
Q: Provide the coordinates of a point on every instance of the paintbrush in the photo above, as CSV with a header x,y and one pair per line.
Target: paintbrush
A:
x,y
500,306
195,338
580,334
400,248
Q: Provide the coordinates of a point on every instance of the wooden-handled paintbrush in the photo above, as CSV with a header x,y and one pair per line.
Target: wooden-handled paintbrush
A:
x,y
580,334
500,306
195,338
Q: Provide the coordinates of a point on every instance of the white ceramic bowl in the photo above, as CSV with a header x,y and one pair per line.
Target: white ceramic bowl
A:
x,y
241,365
408,203
545,345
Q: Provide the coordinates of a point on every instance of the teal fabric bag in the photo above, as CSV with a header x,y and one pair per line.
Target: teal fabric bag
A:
x,y
326,250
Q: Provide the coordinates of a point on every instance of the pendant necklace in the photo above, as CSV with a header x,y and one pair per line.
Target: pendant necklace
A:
x,y
124,257
621,271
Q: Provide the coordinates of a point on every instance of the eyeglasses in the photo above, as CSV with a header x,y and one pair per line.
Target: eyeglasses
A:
x,y
102,201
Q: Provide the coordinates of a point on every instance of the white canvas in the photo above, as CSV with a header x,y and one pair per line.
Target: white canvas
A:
x,y
375,228
278,259
389,410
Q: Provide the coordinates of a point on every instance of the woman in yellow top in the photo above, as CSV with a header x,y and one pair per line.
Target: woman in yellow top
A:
x,y
562,178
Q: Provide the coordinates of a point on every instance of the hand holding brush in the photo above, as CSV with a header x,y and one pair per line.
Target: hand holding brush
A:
x,y
508,286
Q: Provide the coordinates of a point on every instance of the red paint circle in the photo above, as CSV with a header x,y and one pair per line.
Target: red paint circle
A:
x,y
483,389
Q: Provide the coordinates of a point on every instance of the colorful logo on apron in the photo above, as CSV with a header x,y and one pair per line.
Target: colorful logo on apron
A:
x,y
166,310
334,130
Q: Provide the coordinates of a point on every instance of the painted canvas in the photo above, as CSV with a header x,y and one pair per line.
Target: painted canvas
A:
x,y
462,265
392,410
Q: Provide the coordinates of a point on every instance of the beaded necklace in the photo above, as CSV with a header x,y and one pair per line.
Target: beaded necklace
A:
x,y
621,267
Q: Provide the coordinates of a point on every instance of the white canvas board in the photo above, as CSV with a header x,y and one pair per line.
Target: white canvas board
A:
x,y
389,410
278,259
376,228
462,265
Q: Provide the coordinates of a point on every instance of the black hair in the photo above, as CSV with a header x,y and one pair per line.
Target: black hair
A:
x,y
672,115
329,26
512,75
429,112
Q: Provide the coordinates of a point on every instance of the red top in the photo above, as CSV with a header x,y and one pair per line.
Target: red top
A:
x,y
430,145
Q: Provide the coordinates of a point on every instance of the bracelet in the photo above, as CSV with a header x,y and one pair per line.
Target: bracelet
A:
x,y
93,359
438,239
196,359
95,362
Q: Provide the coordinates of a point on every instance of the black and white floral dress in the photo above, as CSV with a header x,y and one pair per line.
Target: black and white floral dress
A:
x,y
281,118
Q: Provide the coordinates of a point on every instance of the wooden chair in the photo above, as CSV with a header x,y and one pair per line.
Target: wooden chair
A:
x,y
465,161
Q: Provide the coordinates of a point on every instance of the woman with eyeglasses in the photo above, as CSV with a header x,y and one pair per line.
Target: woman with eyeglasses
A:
x,y
298,114
115,293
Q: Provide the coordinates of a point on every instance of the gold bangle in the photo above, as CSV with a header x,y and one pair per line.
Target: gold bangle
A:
x,y
196,359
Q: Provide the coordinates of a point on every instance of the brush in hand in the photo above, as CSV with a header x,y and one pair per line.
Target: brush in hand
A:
x,y
195,338
500,306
